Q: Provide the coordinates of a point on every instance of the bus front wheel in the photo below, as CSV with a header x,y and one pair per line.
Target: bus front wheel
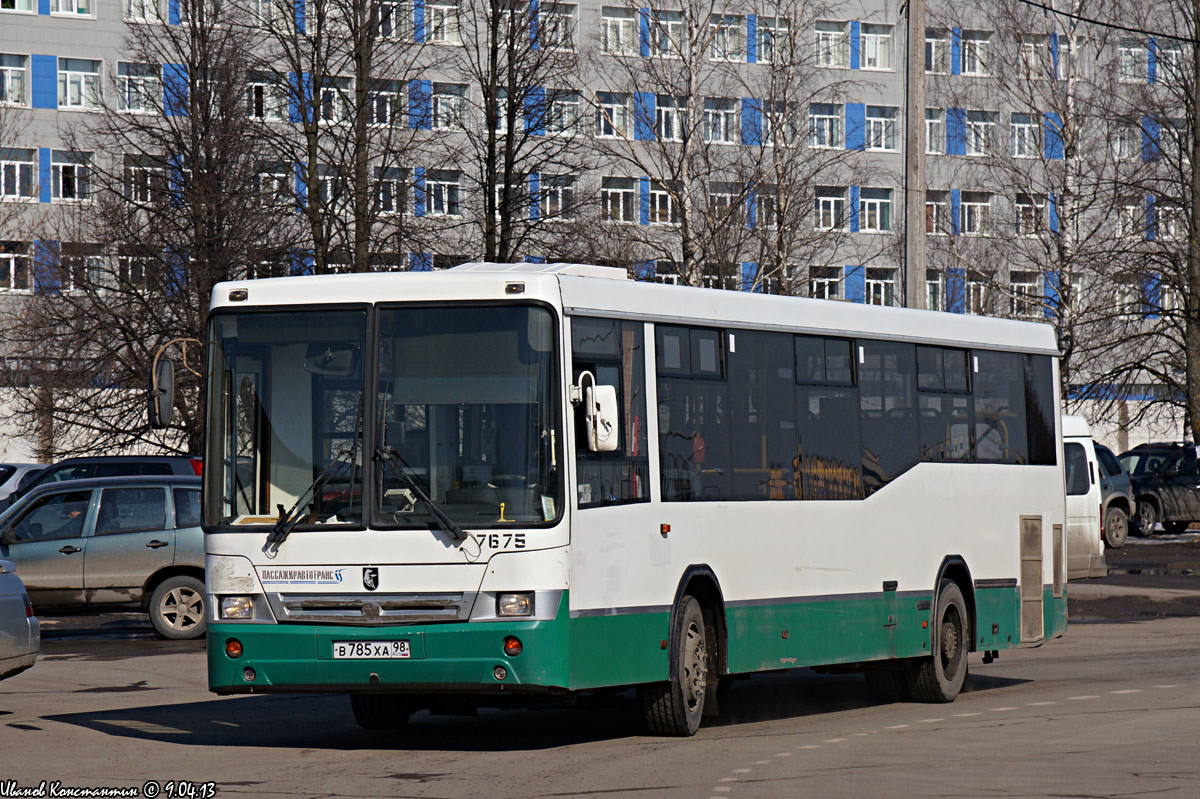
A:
x,y
941,677
676,706
381,711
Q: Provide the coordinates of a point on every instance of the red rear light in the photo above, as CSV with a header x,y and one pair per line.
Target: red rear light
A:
x,y
28,608
198,467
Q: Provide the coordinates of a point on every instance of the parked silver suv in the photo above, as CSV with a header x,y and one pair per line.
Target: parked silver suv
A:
x,y
109,543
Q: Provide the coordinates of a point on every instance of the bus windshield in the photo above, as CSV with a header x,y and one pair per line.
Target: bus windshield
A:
x,y
286,418
465,403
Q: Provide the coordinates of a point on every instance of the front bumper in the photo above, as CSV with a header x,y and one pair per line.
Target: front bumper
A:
x,y
457,656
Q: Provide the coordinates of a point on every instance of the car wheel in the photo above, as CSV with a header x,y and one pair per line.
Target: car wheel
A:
x,y
177,608
676,706
1116,528
1175,528
941,677
1145,518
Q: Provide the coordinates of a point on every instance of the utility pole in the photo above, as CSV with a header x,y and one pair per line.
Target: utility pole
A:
x,y
914,157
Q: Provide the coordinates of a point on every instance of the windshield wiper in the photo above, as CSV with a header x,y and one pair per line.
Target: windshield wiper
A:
x,y
401,468
289,519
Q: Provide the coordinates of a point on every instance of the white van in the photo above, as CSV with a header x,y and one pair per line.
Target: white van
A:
x,y
1085,546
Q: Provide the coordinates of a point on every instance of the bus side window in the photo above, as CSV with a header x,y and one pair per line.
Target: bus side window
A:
x,y
614,352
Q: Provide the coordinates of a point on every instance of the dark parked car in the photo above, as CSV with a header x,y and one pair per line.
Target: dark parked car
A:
x,y
106,466
1166,486
112,543
1116,498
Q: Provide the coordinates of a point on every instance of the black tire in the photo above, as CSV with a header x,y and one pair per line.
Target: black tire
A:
x,y
1116,527
1175,528
889,683
177,608
1145,517
381,711
675,707
939,678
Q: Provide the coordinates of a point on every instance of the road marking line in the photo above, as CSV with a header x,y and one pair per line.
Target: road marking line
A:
x,y
761,762
724,788
1127,691
964,715
834,740
1166,686
727,779
744,770
1085,696
998,709
929,721
896,727
861,734
810,746
783,754
1040,704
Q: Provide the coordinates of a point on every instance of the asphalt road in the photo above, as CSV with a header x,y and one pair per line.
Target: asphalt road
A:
x,y
1111,710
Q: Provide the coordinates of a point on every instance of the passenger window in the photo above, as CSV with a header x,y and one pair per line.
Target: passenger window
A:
x,y
187,507
830,456
131,510
1000,435
1078,483
615,353
53,517
1040,410
762,388
888,402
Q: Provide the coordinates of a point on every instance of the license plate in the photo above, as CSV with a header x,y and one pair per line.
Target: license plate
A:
x,y
364,650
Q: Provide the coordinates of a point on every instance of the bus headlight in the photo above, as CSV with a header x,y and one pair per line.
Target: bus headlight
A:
x,y
515,604
237,607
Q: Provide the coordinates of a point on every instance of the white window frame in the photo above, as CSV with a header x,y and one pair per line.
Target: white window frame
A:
x,y
1024,135
16,274
1131,221
1133,61
937,51
1026,294
269,96
1029,215
18,75
721,121
619,195
976,46
1035,59
612,115
881,128
395,20
770,33
1170,223
145,87
146,184
1127,142
879,286
557,27
76,172
395,181
937,214
830,209
877,43
875,211
274,187
20,7
667,33
446,188
18,170
86,83
334,106
980,132
1169,61
935,131
670,117
148,11
832,44
663,208
72,8
556,198
727,38
935,291
619,31
978,294
825,126
442,22
564,112
825,282
448,106
975,213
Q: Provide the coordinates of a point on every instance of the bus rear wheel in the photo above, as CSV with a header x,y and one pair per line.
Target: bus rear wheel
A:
x,y
676,706
941,677
381,711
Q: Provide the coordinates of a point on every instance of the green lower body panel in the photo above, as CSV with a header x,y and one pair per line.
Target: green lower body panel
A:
x,y
997,617
1054,613
624,649
459,656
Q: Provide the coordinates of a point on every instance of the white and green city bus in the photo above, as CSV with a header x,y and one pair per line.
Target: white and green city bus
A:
x,y
502,483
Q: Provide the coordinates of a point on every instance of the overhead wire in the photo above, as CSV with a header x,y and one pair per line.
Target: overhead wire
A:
x,y
1110,25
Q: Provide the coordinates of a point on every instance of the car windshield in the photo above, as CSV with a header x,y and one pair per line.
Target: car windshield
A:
x,y
1108,462
286,418
1143,463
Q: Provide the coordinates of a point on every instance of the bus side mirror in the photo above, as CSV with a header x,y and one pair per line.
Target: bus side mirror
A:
x,y
162,394
601,415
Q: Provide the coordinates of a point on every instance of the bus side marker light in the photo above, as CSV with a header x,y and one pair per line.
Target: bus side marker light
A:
x,y
664,529
785,635
512,646
925,625
500,673
248,674
662,644
233,648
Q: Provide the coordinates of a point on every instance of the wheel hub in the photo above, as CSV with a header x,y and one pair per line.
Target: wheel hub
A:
x,y
695,666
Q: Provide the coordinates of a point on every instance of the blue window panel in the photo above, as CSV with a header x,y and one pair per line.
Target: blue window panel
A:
x,y
533,25
855,44
418,20
420,104
535,195
298,12
535,111
175,180
1054,54
643,116
751,209
956,131
419,191
1151,136
1052,295
1151,219
1052,142
302,262
1151,60
752,38
44,7
420,262
956,290
534,259
176,277
1053,202
856,126
44,178
301,187
855,283
955,210
300,91
956,51
750,276
46,278
44,81
645,270
1151,295
751,121
644,32
644,201
175,90
854,220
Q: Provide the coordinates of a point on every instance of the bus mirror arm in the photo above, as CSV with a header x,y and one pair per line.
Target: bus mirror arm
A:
x,y
600,413
400,468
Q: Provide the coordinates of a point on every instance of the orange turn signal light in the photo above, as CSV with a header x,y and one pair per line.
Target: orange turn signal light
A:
x,y
512,646
233,648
